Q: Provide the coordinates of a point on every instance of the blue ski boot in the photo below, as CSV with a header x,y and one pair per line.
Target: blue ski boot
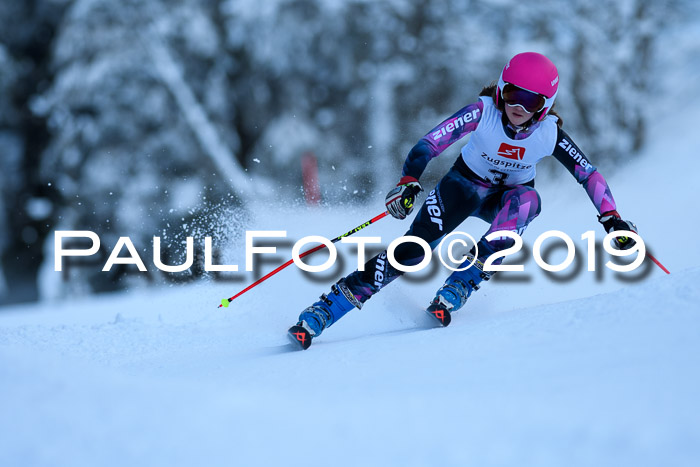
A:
x,y
322,314
454,293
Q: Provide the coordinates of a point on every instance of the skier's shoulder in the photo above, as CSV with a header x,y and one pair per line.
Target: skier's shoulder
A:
x,y
551,120
487,101
548,130
564,139
489,110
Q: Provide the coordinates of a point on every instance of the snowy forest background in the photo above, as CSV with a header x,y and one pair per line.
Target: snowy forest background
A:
x,y
135,118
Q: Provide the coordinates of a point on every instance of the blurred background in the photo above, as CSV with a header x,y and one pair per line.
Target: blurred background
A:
x,y
140,118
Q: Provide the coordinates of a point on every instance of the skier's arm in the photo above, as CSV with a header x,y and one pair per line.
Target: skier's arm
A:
x,y
584,172
440,138
595,185
399,201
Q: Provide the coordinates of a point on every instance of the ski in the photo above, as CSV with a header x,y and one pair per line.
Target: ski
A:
x,y
299,336
438,311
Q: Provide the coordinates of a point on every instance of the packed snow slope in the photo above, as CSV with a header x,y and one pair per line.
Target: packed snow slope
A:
x,y
162,379
584,371
571,369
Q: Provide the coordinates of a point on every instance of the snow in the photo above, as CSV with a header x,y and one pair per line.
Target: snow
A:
x,y
586,371
162,378
582,372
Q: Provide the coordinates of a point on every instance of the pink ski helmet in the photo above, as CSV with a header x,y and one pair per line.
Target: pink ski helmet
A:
x,y
535,73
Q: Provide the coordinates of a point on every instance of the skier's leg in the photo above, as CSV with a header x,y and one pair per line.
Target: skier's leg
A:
x,y
452,201
329,308
512,210
517,208
444,209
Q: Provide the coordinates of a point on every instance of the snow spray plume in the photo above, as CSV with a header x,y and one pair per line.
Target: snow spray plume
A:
x,y
206,220
225,302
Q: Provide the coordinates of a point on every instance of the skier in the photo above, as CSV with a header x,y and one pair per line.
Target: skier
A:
x,y
513,127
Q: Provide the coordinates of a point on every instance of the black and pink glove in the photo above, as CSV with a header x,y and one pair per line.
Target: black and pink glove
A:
x,y
399,201
612,221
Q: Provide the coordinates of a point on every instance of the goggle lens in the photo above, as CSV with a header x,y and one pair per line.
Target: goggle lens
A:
x,y
530,101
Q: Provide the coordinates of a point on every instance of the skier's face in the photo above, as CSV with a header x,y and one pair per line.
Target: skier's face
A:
x,y
517,114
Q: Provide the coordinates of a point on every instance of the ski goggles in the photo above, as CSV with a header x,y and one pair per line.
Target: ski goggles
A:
x,y
528,100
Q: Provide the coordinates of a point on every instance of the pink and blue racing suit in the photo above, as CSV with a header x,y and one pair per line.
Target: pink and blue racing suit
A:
x,y
493,179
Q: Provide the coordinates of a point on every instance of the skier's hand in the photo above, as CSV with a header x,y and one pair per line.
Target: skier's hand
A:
x,y
399,201
611,221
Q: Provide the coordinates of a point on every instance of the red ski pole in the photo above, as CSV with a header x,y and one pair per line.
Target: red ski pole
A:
x,y
225,302
657,263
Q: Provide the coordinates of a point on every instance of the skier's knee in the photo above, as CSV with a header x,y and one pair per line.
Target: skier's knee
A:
x,y
409,253
525,196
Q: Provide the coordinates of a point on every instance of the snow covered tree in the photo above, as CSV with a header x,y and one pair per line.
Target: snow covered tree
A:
x,y
27,204
152,116
132,149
